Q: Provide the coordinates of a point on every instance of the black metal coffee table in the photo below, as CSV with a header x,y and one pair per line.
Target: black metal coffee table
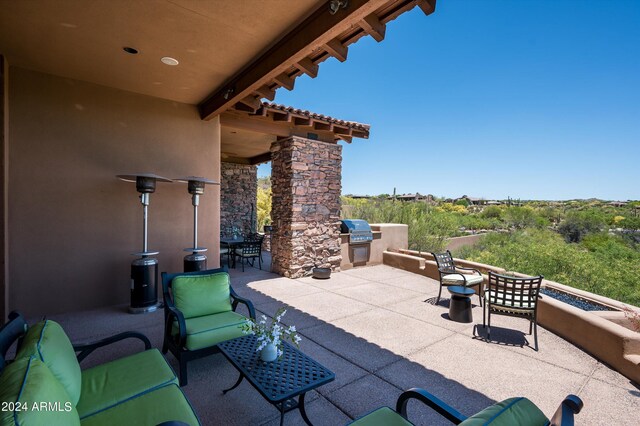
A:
x,y
280,381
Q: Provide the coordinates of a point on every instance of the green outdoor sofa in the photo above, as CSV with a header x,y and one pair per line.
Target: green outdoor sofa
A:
x,y
510,412
44,384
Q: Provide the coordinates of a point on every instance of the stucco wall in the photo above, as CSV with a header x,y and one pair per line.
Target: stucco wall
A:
x,y
72,224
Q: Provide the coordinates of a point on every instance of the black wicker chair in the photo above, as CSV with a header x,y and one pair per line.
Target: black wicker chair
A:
x,y
178,331
451,275
512,296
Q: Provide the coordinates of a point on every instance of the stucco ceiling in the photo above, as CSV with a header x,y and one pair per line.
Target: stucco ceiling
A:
x,y
83,40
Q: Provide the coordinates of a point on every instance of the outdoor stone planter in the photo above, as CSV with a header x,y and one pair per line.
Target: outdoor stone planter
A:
x,y
605,333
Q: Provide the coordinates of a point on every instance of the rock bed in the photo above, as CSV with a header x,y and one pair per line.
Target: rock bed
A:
x,y
576,301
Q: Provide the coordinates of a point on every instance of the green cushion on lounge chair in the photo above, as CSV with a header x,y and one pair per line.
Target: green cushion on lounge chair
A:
x,y
384,416
39,396
109,384
47,341
457,279
209,330
199,295
162,405
513,411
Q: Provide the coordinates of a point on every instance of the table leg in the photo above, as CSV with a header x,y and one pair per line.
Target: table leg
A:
x,y
282,413
303,413
236,385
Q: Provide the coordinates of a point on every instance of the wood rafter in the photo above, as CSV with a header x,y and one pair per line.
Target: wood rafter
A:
x,y
292,54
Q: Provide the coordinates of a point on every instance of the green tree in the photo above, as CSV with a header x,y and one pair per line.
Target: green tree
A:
x,y
263,205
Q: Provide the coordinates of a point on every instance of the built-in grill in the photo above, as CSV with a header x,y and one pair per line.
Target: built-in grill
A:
x,y
360,237
359,231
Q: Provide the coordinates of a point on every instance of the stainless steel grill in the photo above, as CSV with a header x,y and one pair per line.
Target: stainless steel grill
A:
x,y
359,231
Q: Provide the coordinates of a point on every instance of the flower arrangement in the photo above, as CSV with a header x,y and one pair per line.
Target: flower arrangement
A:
x,y
270,336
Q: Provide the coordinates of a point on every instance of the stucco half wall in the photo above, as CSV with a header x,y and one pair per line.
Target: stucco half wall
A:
x,y
72,225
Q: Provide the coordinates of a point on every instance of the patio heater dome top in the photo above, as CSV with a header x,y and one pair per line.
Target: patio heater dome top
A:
x,y
133,176
204,180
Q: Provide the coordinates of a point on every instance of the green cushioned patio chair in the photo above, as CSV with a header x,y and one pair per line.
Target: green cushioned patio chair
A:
x,y
510,412
514,297
452,275
200,312
139,389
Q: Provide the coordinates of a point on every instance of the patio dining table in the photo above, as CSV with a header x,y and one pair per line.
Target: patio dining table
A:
x,y
233,244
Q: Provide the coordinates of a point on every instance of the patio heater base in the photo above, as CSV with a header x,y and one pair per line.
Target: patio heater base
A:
x,y
144,285
195,262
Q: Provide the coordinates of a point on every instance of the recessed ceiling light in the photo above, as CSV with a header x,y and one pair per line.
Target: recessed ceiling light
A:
x,y
68,25
130,50
169,61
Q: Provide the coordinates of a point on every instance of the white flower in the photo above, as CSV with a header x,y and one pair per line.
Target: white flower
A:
x,y
291,329
297,339
280,352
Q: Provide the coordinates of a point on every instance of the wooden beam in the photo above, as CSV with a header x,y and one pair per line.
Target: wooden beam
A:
x,y
347,139
281,116
317,30
302,121
237,160
254,125
240,106
308,67
285,81
266,92
372,26
337,49
262,158
427,6
252,102
318,125
343,131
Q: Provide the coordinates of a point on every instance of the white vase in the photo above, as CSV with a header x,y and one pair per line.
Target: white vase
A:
x,y
269,353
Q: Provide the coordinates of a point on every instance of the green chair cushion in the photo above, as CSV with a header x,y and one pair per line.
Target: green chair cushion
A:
x,y
384,416
209,330
513,411
40,397
151,408
48,341
199,295
458,279
108,384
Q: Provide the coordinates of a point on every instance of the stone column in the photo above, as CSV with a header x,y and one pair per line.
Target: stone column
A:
x,y
238,191
305,212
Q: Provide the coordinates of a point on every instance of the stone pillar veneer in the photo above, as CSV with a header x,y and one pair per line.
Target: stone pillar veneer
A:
x,y
306,185
238,192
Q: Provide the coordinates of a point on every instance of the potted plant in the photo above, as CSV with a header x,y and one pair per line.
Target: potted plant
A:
x,y
270,336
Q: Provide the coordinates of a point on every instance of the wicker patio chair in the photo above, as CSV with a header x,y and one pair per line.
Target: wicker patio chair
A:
x,y
452,275
250,250
514,297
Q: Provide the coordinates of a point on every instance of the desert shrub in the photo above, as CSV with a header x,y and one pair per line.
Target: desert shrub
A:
x,y
491,212
521,217
603,264
578,224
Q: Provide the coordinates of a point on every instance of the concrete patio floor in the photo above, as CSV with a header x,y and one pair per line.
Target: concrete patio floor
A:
x,y
378,329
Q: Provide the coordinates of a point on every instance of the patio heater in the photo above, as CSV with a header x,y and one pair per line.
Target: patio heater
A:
x,y
196,261
144,270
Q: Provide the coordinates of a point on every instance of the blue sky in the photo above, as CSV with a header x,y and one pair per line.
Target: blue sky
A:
x,y
492,98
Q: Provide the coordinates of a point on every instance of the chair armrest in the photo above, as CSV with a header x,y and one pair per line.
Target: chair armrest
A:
x,y
564,414
237,299
173,314
469,269
433,402
86,348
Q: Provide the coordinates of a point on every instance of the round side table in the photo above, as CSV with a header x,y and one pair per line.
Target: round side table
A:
x,y
460,305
